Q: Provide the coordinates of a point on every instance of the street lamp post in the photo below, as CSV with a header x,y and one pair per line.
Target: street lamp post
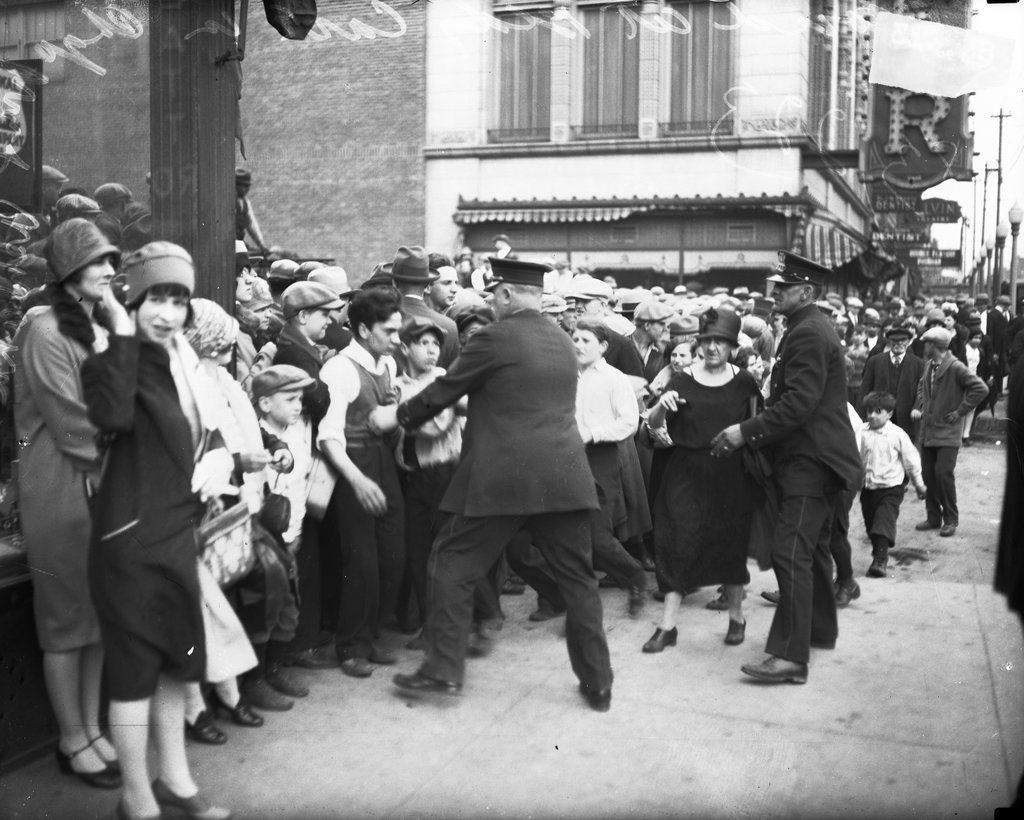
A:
x,y
990,245
1002,231
1016,215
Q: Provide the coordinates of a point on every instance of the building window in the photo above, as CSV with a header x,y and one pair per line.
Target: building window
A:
x,y
739,233
523,110
701,70
611,74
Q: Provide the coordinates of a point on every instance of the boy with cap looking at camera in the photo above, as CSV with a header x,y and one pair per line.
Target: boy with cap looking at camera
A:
x,y
428,455
946,394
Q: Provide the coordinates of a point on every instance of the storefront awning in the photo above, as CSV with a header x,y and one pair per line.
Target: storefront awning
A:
x,y
568,214
830,246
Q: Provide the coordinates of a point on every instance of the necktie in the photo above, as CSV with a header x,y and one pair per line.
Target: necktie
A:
x,y
896,361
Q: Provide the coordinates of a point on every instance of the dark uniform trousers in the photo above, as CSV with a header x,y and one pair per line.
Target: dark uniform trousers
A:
x,y
839,544
468,547
803,567
372,550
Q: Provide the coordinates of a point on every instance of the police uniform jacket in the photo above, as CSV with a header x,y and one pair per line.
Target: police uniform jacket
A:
x,y
521,449
806,424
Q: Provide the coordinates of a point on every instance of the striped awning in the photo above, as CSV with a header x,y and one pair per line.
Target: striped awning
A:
x,y
830,246
568,214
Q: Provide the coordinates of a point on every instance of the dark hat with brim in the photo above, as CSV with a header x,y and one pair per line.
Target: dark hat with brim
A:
x,y
898,332
75,244
380,277
514,272
412,264
720,324
796,270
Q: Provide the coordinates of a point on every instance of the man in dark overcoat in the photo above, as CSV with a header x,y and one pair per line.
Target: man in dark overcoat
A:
x,y
896,371
523,466
805,429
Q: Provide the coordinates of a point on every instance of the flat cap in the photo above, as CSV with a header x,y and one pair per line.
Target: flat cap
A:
x,y
278,378
553,303
308,296
51,174
110,193
284,270
416,326
937,336
854,302
871,317
72,205
1003,299
653,311
586,287
685,325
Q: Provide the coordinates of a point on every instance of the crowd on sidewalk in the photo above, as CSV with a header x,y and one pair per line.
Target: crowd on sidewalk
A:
x,y
216,499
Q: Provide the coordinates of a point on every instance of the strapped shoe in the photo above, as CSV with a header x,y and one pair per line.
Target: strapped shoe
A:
x,y
204,730
105,778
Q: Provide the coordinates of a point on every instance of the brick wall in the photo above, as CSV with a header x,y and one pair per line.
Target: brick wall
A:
x,y
334,129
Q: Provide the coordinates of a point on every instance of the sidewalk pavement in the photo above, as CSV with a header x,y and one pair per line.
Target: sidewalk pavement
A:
x,y
918,712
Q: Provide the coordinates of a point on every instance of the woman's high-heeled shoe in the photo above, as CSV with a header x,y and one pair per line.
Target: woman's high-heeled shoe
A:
x,y
660,639
103,779
112,763
241,715
195,807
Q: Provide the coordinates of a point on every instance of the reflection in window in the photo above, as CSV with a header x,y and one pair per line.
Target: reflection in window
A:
x,y
611,74
524,79
701,70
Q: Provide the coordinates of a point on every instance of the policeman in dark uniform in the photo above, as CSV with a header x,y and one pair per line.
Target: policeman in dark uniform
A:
x,y
523,466
806,432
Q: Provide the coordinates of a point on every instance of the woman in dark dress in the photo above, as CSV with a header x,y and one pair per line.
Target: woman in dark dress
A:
x,y
162,461
703,508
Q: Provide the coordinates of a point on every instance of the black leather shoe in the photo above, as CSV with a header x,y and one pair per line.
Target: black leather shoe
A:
x,y
660,639
924,526
240,715
600,700
947,530
421,683
105,778
736,633
846,592
286,682
204,730
357,667
545,612
772,596
877,568
381,657
777,670
323,657
261,695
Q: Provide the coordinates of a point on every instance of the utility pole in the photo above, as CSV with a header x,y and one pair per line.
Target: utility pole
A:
x,y
997,273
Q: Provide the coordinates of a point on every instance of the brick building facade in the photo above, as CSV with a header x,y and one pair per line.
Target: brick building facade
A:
x,y
334,131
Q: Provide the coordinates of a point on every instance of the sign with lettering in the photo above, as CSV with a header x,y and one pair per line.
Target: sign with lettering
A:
x,y
21,134
925,210
903,236
917,140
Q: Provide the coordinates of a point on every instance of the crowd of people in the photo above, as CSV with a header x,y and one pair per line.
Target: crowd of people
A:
x,y
214,500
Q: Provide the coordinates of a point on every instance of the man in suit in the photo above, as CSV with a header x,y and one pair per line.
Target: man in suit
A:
x,y
650,319
997,325
523,467
806,431
411,275
896,371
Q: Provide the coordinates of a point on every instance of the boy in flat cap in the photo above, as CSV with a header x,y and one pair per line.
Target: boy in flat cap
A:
x,y
946,393
807,432
523,466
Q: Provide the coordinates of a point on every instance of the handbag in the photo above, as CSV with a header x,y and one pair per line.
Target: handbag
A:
x,y
225,542
276,513
319,487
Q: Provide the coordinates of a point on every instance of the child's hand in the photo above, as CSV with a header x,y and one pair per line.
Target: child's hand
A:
x,y
282,461
921,493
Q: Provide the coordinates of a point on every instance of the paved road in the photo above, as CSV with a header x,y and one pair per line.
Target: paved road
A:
x,y
918,712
